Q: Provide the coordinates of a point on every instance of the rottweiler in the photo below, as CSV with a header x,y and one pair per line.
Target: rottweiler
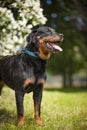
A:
x,y
25,72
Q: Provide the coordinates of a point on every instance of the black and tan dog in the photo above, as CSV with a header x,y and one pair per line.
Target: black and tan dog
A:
x,y
26,72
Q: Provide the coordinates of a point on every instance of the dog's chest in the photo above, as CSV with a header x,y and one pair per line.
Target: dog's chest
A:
x,y
37,77
40,71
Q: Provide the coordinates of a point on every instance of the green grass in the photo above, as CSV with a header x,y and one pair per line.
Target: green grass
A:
x,y
62,109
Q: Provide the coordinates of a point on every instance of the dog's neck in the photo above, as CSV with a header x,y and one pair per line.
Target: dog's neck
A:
x,y
30,53
42,53
38,63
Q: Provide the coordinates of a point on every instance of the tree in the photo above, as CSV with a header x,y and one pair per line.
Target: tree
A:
x,y
65,18
17,18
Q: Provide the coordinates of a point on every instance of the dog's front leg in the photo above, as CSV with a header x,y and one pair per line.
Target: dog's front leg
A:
x,y
37,96
20,109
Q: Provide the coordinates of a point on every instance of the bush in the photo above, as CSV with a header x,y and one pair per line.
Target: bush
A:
x,y
16,21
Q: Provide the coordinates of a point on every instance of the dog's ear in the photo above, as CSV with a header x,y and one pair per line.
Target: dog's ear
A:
x,y
31,37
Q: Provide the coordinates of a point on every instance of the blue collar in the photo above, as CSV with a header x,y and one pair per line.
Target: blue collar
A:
x,y
30,53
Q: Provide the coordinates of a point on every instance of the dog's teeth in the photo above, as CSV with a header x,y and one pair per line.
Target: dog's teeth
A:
x,y
48,44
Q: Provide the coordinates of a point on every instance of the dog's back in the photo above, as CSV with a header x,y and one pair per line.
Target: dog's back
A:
x,y
7,65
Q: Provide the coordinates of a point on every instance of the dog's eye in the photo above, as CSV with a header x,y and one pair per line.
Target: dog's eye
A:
x,y
40,32
34,31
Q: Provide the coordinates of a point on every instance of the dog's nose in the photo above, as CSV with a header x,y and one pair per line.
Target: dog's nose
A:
x,y
61,35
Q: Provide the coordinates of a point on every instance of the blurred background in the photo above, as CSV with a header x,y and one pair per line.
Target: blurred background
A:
x,y
69,18
18,17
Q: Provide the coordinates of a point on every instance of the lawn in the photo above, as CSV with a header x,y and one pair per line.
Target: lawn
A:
x,y
62,109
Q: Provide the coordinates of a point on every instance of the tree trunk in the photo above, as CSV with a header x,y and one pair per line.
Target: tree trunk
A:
x,y
70,70
70,80
64,80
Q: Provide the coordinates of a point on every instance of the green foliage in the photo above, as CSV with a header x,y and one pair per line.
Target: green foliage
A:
x,y
17,18
62,109
70,22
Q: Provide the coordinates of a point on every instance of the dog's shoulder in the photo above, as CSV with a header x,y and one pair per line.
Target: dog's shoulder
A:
x,y
9,61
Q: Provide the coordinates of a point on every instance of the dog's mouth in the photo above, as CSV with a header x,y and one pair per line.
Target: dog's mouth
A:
x,y
51,43
52,46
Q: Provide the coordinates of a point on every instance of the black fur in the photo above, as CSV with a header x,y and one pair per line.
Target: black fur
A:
x,y
24,73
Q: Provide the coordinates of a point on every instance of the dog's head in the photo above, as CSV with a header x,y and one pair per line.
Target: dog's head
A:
x,y
43,41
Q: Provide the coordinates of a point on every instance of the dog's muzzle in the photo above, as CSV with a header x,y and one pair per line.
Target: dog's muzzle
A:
x,y
51,42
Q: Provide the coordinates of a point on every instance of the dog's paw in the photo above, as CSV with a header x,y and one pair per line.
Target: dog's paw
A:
x,y
20,121
39,122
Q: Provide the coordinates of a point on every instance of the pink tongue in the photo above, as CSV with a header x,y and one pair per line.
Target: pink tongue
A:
x,y
57,47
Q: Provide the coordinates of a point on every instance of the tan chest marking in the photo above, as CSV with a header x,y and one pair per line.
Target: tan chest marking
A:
x,y
27,82
41,81
44,53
